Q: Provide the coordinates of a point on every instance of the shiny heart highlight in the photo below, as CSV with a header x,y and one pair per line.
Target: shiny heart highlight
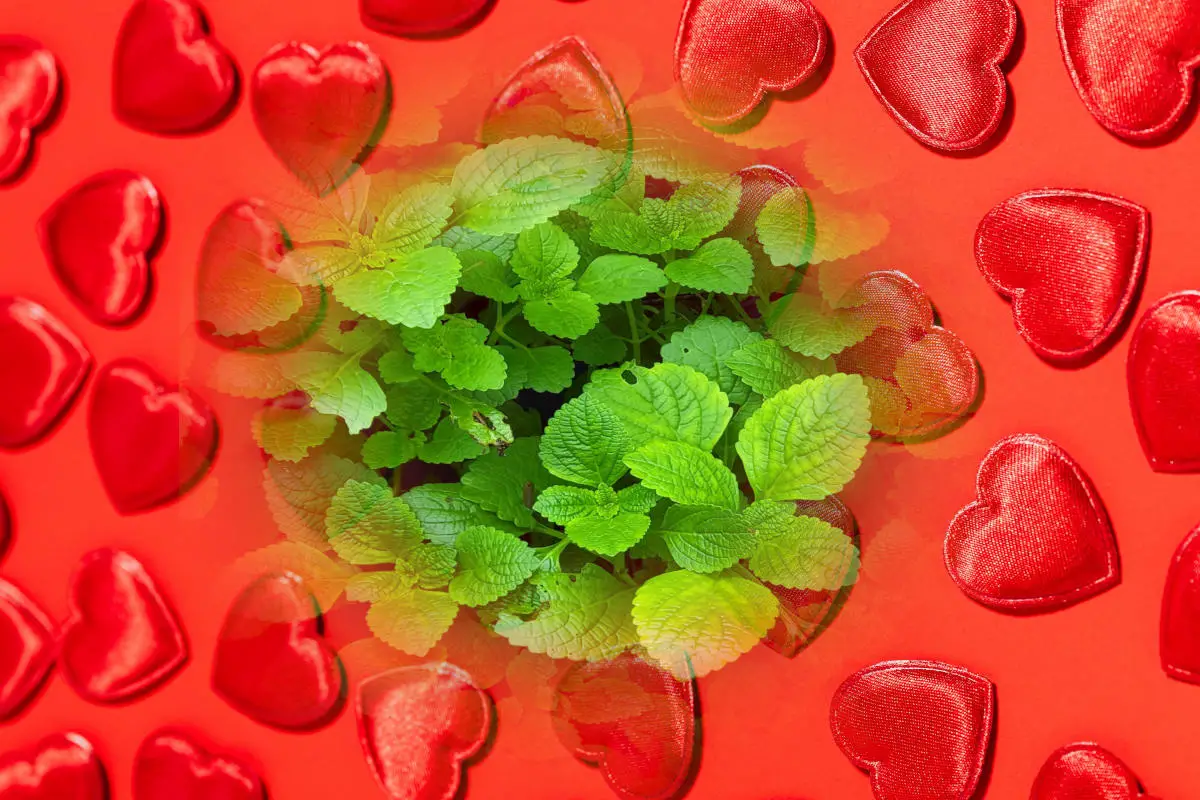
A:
x,y
1163,372
63,766
1085,771
172,765
420,18
26,649
29,85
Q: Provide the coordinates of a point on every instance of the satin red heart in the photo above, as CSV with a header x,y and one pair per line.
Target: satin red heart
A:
x,y
633,720
1163,372
272,662
730,53
321,111
26,649
421,18
172,765
1037,537
151,444
170,75
29,85
5,525
1179,627
1086,771
43,368
63,766
921,729
99,238
419,725
1131,61
937,67
1071,262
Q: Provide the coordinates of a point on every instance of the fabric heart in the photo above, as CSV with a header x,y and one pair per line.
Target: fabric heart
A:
x,y
43,368
418,725
921,729
169,74
63,766
632,719
1085,772
150,444
1163,372
321,111
26,649
1179,634
99,238
730,53
122,638
936,65
29,85
5,525
172,765
1131,61
420,18
1037,537
1070,261
272,662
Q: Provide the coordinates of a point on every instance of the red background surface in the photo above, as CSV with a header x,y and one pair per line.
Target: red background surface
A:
x,y
1089,672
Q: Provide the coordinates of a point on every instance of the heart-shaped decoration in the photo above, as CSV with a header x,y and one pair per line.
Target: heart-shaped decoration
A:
x,y
321,111
122,638
1037,537
272,662
43,368
26,649
5,525
99,238
936,65
1085,771
1070,261
419,725
730,53
29,86
172,765
1131,61
169,74
632,719
921,729
63,766
422,19
151,444
1179,634
1163,373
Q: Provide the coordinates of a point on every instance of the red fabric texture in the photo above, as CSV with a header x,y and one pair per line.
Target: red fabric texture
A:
x,y
29,85
27,648
421,18
1085,772
1164,378
63,766
1179,632
172,765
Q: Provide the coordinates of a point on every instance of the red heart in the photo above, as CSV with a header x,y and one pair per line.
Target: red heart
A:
x,y
936,65
730,53
1083,771
321,111
170,75
921,729
122,638
272,662
63,766
1037,537
43,368
418,725
29,86
99,238
632,719
26,649
172,765
5,525
1163,372
1179,634
151,445
1131,61
421,18
1071,261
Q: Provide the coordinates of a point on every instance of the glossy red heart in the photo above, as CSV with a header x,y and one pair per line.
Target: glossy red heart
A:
x,y
921,729
632,719
29,85
1163,372
1131,61
421,18
5,525
26,649
730,53
419,725
122,638
936,65
1179,631
272,662
63,766
1037,537
1070,261
99,238
43,368
321,111
151,444
169,74
172,765
1085,771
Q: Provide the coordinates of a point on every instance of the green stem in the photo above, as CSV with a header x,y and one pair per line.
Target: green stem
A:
x,y
669,302
635,332
503,319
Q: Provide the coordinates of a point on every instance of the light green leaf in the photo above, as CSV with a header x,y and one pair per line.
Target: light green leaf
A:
x,y
545,254
491,563
411,290
786,229
566,313
484,274
413,218
721,265
396,366
299,495
666,401
289,433
706,345
598,347
685,474
433,564
506,483
801,552
317,264
616,278
608,536
338,385
561,504
413,406
412,620
390,449
366,524
456,349
630,232
769,369
449,445
370,587
637,499
706,539
585,443
463,240
703,208
444,513
802,323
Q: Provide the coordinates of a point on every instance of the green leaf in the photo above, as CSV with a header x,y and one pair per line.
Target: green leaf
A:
x,y
703,208
706,346
433,564
518,183
396,366
507,482
411,290
561,504
456,349
585,443
413,218
491,563
299,495
318,264
413,406
449,445
721,265
370,587
289,433
412,620
786,229
706,539
566,313
484,274
366,524
637,499
685,474
598,347
807,441
617,278
463,240
389,449
444,513
693,624
543,369
769,369
338,385
800,552
666,401
544,255
630,232
802,323
608,536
